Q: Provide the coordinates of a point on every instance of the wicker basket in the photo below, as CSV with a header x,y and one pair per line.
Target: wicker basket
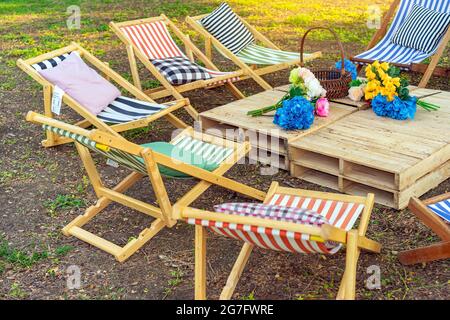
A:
x,y
335,81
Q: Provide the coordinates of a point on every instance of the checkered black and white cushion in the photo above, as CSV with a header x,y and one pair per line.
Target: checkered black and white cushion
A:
x,y
422,29
180,70
273,212
226,27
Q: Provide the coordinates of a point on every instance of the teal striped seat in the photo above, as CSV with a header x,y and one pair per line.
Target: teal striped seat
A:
x,y
259,55
183,148
256,54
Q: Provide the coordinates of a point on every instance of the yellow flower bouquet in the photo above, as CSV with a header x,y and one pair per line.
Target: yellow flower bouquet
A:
x,y
385,80
388,93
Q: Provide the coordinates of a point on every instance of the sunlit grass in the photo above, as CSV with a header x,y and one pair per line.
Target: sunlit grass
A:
x,y
293,18
30,28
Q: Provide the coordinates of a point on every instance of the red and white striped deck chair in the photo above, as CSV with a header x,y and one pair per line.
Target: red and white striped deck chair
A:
x,y
151,42
324,225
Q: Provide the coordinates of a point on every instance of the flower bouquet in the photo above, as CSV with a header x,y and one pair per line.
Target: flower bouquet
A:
x,y
387,92
305,98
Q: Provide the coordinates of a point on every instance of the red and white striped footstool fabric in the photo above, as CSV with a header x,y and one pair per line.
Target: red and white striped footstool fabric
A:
x,y
340,214
215,74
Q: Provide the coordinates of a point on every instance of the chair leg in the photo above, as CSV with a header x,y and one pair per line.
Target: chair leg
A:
x,y
437,251
192,112
429,72
236,272
435,60
88,215
235,91
145,236
200,263
348,284
51,138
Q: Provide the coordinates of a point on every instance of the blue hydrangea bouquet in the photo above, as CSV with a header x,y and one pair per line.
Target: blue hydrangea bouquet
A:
x,y
387,92
297,109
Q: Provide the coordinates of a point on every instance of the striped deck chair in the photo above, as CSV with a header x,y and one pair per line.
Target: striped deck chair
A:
x,y
323,226
151,42
382,47
434,213
189,155
124,113
236,40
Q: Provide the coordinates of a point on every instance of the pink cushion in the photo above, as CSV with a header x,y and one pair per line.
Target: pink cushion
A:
x,y
82,83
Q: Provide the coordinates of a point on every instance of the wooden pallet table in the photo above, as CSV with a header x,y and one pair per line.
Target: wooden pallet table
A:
x,y
365,153
269,142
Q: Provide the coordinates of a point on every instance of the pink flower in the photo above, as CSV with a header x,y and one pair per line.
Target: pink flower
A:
x,y
305,73
322,107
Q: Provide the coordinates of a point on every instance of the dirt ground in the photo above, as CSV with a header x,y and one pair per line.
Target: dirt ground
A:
x,y
35,256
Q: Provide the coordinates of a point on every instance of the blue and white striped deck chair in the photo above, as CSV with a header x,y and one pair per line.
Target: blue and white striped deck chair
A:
x,y
404,57
435,213
189,155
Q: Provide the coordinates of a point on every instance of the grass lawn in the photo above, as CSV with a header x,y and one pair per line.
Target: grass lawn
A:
x,y
43,189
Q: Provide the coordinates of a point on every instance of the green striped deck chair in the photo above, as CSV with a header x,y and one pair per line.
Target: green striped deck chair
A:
x,y
189,155
237,41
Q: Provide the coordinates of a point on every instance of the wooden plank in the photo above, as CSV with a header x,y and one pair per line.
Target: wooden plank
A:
x,y
385,198
437,251
200,263
96,241
348,150
236,272
409,176
424,184
315,176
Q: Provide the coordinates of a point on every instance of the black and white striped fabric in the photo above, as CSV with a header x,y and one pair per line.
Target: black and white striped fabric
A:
x,y
180,70
50,63
226,27
124,109
422,29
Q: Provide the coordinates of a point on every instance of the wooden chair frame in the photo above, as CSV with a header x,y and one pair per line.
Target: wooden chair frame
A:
x,y
192,51
162,214
438,251
251,71
89,118
427,70
355,240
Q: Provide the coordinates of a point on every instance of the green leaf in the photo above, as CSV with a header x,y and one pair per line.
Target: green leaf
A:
x,y
393,72
295,91
356,83
403,93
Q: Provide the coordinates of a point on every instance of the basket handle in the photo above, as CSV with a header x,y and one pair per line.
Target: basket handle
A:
x,y
341,47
